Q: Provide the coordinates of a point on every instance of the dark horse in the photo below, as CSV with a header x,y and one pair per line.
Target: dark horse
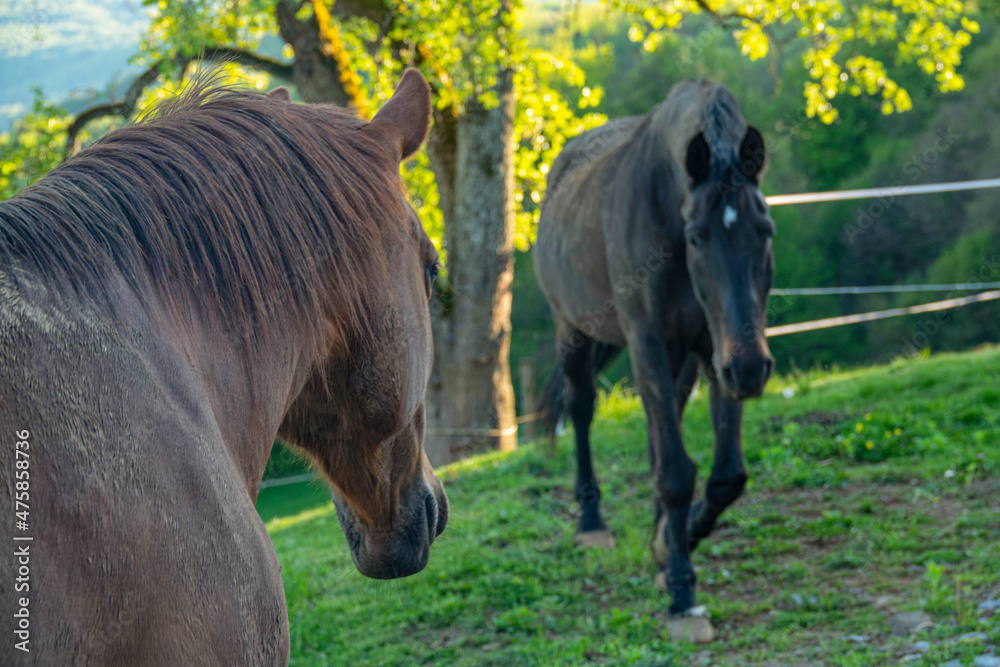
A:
x,y
654,235
171,299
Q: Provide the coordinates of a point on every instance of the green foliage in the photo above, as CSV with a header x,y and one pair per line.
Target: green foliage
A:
x,y
545,119
33,147
463,45
460,47
929,34
938,593
186,28
423,195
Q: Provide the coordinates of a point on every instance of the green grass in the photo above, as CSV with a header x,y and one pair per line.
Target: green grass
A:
x,y
283,501
867,483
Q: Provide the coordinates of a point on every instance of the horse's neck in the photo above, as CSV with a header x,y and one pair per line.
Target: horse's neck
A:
x,y
249,393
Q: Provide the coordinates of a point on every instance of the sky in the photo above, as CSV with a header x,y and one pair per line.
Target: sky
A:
x,y
64,46
30,26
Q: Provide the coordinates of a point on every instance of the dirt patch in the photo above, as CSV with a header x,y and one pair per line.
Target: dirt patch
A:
x,y
819,417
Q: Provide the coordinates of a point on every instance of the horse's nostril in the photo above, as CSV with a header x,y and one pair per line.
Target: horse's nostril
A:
x,y
729,374
430,506
442,503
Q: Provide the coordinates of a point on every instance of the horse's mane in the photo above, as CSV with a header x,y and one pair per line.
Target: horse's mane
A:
x,y
724,126
694,106
691,106
224,201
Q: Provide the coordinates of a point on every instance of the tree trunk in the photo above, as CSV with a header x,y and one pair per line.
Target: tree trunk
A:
x,y
316,76
470,399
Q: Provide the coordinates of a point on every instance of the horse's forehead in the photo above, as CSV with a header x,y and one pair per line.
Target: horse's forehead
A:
x,y
745,199
737,206
729,216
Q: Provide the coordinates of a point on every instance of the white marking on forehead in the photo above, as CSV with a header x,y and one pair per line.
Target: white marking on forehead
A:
x,y
729,216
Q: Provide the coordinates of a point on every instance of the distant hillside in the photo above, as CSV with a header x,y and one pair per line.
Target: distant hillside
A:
x,y
65,47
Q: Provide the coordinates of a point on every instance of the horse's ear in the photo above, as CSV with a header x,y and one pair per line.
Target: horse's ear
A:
x,y
753,156
280,94
405,119
699,159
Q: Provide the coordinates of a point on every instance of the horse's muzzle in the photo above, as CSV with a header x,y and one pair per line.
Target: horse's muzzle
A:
x,y
402,549
745,376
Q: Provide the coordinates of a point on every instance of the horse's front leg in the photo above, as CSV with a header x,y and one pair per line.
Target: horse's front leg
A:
x,y
685,380
729,475
673,470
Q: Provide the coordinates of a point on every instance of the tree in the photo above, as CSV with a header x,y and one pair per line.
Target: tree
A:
x,y
351,53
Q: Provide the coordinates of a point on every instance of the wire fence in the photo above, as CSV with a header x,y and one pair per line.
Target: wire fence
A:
x,y
829,322
801,327
888,191
883,289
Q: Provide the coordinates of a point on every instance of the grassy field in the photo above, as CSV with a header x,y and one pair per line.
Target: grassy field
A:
x,y
871,491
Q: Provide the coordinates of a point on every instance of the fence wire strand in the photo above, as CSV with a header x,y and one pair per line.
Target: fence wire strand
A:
x,y
890,191
882,289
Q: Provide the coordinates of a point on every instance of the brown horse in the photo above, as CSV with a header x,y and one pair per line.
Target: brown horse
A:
x,y
171,298
654,235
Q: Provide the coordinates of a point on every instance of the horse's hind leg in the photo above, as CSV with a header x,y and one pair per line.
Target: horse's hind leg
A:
x,y
684,383
576,354
729,475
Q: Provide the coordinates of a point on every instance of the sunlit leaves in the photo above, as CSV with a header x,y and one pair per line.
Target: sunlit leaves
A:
x,y
423,195
842,38
33,147
544,121
189,27
461,45
752,40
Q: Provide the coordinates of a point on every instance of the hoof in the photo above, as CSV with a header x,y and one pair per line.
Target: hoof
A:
x,y
691,626
594,539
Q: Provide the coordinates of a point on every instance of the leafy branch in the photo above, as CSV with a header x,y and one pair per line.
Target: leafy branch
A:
x,y
126,106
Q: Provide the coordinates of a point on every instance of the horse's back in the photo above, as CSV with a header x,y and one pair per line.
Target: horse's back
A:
x,y
583,148
142,541
570,255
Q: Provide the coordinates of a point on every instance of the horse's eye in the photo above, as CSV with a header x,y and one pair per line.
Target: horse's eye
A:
x,y
432,271
697,237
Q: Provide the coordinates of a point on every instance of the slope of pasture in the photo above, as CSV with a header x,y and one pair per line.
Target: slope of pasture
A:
x,y
872,490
